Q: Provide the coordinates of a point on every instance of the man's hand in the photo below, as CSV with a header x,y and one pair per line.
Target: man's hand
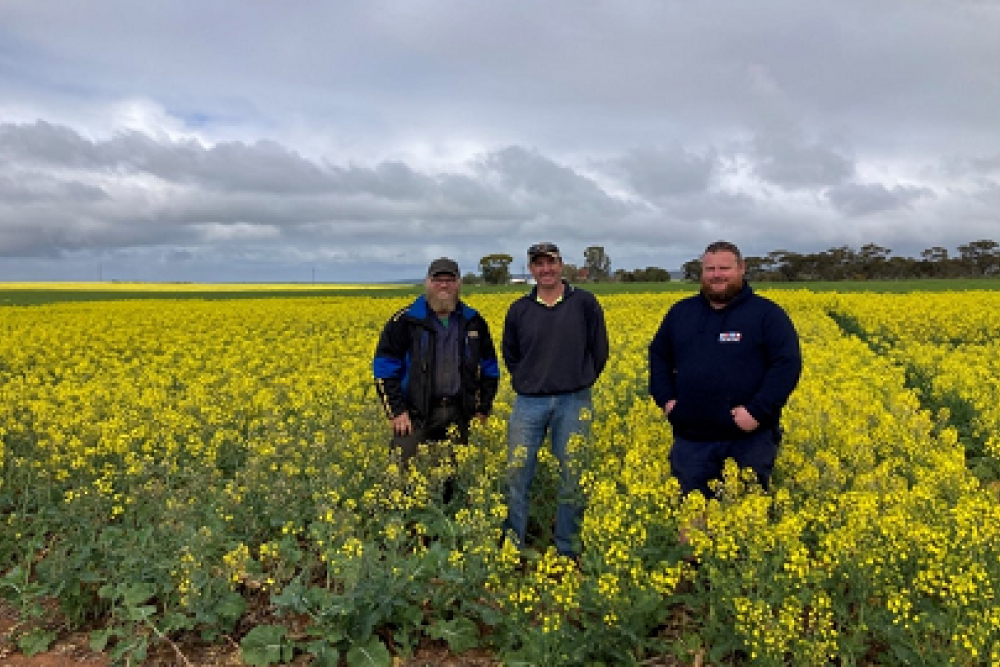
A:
x,y
744,419
481,418
401,424
668,406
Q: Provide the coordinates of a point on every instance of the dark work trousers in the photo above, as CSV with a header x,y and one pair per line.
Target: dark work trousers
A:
x,y
696,464
435,429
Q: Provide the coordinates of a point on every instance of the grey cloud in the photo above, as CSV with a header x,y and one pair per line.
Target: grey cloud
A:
x,y
977,166
655,173
263,166
155,191
439,67
461,195
859,199
32,188
51,233
42,143
989,194
390,211
794,164
715,208
179,255
19,241
375,136
392,180
267,168
534,180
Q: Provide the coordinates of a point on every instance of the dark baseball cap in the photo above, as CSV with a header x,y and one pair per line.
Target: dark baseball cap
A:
x,y
443,265
544,248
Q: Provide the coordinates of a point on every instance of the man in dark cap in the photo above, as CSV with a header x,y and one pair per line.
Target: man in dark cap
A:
x,y
555,346
435,365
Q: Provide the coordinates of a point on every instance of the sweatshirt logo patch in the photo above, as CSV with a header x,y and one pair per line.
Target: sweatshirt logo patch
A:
x,y
473,334
730,337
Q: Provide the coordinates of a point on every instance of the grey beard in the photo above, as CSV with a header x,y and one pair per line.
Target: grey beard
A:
x,y
442,304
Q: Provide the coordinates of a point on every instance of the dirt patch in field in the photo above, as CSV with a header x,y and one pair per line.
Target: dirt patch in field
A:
x,y
72,649
69,650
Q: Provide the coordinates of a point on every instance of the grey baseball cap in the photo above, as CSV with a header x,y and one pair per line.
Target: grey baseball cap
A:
x,y
443,265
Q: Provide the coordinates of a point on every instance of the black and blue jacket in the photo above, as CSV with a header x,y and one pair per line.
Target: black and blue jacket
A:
x,y
713,360
404,363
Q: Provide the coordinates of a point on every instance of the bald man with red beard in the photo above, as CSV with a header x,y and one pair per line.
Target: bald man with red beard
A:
x,y
721,367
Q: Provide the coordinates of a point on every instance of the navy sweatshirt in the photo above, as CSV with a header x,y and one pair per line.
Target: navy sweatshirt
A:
x,y
555,349
711,361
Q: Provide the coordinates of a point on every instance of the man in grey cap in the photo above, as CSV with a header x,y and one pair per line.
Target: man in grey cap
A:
x,y
435,365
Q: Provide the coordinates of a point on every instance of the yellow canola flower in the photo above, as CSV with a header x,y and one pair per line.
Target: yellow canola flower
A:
x,y
264,410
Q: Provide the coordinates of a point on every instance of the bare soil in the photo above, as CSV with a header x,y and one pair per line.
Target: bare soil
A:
x,y
72,649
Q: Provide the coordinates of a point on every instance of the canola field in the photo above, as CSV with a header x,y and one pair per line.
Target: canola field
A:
x,y
218,471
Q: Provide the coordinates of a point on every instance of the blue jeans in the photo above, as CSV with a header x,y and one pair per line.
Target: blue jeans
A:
x,y
559,414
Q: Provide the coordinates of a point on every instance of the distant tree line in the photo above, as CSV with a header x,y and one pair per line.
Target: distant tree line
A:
x,y
870,262
494,269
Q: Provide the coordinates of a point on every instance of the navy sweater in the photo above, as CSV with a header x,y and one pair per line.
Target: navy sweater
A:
x,y
557,349
711,361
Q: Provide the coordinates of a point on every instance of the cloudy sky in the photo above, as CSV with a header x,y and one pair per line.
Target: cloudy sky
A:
x,y
227,140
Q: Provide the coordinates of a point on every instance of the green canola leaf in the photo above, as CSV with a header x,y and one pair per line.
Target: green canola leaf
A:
x,y
35,642
373,653
266,645
136,594
460,633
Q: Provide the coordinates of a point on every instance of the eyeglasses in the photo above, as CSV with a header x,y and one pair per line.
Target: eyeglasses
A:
x,y
444,280
543,249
